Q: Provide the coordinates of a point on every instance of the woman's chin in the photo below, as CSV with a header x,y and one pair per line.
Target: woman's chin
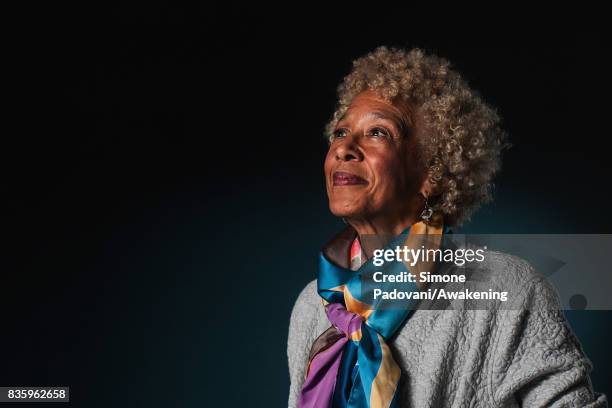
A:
x,y
346,212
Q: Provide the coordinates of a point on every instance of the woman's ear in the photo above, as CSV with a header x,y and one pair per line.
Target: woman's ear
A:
x,y
430,188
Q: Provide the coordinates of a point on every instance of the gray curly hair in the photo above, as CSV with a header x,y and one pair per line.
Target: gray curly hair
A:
x,y
464,139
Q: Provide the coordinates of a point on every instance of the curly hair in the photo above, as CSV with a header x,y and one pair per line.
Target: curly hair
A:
x,y
464,140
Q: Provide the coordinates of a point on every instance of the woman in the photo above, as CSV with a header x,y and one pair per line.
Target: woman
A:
x,y
412,152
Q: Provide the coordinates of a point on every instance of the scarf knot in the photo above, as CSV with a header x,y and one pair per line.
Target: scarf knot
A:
x,y
347,322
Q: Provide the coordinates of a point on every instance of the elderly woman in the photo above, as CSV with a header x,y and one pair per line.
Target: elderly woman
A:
x,y
412,149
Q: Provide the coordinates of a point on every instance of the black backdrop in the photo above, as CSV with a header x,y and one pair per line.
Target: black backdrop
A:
x,y
165,201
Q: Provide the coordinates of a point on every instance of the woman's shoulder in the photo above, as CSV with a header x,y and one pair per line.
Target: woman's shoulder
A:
x,y
305,308
515,275
308,297
307,321
505,267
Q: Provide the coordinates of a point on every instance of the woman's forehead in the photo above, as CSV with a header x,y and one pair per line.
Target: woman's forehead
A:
x,y
369,104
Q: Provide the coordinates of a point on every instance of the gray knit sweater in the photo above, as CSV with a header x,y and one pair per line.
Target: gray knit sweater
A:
x,y
524,357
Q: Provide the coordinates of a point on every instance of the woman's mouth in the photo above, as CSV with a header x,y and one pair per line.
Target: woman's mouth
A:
x,y
347,179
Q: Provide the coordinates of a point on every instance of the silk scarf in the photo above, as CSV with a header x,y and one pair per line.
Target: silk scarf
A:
x,y
350,364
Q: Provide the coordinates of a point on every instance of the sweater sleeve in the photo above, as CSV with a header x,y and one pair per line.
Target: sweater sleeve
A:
x,y
302,330
539,362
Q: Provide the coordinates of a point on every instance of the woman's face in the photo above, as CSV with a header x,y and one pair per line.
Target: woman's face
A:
x,y
372,165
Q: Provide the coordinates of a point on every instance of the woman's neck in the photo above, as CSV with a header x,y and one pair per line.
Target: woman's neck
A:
x,y
374,233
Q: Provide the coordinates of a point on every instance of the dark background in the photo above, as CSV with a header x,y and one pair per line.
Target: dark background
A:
x,y
164,199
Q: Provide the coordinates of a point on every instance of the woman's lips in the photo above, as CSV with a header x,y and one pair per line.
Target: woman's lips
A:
x,y
342,178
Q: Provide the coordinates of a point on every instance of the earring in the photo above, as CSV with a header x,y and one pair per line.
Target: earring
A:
x,y
427,211
344,220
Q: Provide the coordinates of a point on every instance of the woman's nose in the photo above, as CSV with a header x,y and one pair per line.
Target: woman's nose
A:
x,y
348,150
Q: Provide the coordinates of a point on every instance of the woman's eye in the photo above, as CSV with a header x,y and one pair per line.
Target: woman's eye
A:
x,y
379,132
339,133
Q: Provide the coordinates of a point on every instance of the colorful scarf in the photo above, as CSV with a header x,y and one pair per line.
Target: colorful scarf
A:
x,y
350,364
